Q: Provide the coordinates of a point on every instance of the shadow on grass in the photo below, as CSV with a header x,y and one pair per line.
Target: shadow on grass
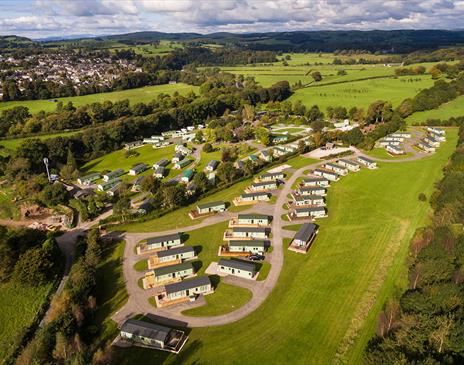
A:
x,y
197,265
197,249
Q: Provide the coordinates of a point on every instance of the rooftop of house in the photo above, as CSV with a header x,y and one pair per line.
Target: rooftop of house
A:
x,y
145,329
210,205
165,270
306,231
237,264
175,251
247,243
187,284
169,237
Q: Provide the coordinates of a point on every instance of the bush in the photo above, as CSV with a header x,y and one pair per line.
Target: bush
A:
x,y
422,197
207,148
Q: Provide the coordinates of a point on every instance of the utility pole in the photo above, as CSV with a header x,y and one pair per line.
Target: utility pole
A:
x,y
45,160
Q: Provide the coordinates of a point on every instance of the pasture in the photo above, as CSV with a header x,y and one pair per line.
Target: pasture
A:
x,y
362,93
19,305
143,94
329,299
454,108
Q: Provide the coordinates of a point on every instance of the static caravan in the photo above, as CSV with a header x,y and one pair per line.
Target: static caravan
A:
x,y
159,172
272,176
108,185
436,130
341,170
395,150
88,179
401,134
302,200
187,175
188,288
152,335
254,246
432,141
211,166
172,272
177,157
278,151
252,197
329,175
350,165
249,232
173,255
213,207
388,142
137,169
181,164
113,174
160,163
166,241
305,235
425,146
312,212
315,181
312,191
242,269
263,186
253,219
367,162
438,137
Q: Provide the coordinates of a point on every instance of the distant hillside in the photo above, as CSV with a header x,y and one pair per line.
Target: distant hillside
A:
x,y
13,41
398,41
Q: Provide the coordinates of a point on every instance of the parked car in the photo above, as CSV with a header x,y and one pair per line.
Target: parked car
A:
x,y
256,257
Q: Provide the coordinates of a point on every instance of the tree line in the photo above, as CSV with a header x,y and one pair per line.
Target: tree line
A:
x,y
425,325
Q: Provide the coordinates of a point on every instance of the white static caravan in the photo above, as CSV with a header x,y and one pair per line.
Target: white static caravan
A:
x,y
329,175
350,165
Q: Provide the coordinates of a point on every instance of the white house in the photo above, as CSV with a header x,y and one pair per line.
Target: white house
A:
x,y
367,162
341,170
394,150
350,165
329,175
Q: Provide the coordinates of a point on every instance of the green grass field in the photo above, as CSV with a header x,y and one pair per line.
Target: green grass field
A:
x,y
454,108
18,308
9,145
226,298
148,50
328,299
362,93
143,94
117,160
382,153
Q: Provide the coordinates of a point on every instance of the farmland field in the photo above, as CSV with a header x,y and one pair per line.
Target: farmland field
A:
x,y
454,108
18,308
329,299
143,94
362,93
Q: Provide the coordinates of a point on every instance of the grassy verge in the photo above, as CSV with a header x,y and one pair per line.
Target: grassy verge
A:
x,y
225,299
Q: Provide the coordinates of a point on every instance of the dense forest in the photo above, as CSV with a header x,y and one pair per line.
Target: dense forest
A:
x,y
426,324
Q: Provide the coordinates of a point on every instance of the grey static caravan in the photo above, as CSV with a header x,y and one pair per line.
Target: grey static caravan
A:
x,y
432,141
242,269
246,233
160,163
254,246
302,200
272,176
329,175
253,219
367,162
108,185
263,186
315,181
161,242
309,212
88,179
312,191
113,174
436,130
425,146
341,170
394,150
350,165
137,169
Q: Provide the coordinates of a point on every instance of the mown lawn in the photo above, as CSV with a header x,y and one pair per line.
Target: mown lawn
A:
x,y
19,305
143,94
454,108
111,293
226,298
382,153
330,297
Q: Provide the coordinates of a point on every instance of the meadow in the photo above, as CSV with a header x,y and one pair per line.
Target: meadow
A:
x,y
454,108
362,93
325,305
143,94
19,305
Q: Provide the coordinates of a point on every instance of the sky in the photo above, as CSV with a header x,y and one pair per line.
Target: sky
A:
x,y
64,18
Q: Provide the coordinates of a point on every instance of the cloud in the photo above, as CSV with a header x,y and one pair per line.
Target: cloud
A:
x,y
205,16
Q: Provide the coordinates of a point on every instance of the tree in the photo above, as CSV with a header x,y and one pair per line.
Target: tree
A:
x,y
199,136
54,194
341,72
226,172
150,184
314,114
207,147
248,112
201,181
263,135
173,195
317,76
122,207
